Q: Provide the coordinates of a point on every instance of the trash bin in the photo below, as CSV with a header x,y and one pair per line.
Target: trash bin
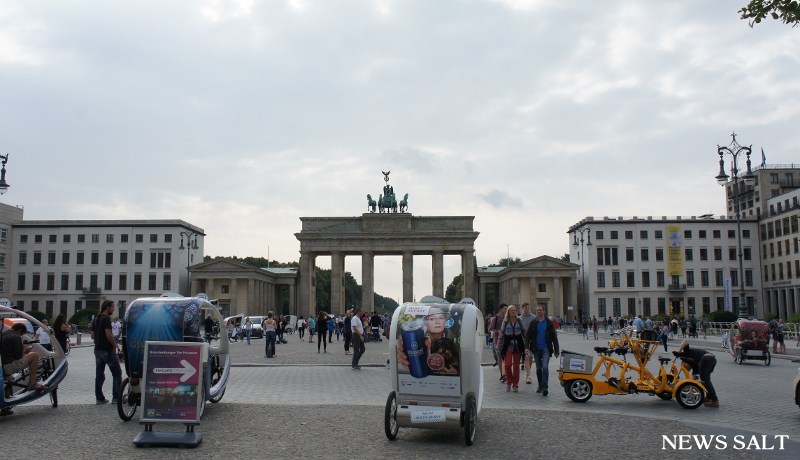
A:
x,y
78,341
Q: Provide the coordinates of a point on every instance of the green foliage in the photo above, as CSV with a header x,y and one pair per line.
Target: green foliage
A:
x,y
39,315
83,317
795,318
565,257
659,318
722,316
506,262
454,290
788,11
768,316
259,262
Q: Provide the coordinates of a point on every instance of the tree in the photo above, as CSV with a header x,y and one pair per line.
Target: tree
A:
x,y
565,257
506,262
788,11
453,292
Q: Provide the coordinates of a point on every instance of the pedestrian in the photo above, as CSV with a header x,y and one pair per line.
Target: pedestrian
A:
x,y
782,346
773,331
375,324
331,328
684,324
704,326
348,331
301,328
312,327
208,325
358,337
494,327
605,325
541,340
248,328
105,354
693,327
702,364
43,336
526,317
595,325
322,330
585,328
269,326
664,336
512,339
61,331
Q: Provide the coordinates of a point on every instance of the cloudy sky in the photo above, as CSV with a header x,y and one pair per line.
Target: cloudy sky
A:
x,y
241,116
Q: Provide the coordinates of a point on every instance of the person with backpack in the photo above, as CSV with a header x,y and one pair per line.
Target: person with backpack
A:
x,y
773,332
704,326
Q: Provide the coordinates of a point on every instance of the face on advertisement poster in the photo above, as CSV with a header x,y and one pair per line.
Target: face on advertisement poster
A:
x,y
172,382
428,340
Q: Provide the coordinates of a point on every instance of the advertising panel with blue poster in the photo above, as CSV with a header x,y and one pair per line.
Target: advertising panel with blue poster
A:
x,y
428,347
173,390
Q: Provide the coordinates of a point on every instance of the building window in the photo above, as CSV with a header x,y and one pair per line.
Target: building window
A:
x,y
601,307
614,235
701,233
35,305
137,282
643,234
95,258
690,278
747,253
37,238
96,238
2,260
107,282
631,282
81,238
690,303
151,282
3,235
51,282
660,279
78,305
731,253
123,258
93,282
64,258
37,258
746,233
20,284
542,287
23,238
601,279
717,253
598,235
168,238
628,234
659,234
703,254
716,233
748,277
65,282
53,238
718,276
687,233
63,307
617,305
167,282
688,253
79,282
109,258
646,279
139,238
629,255
607,256
51,258
226,289
645,255
110,238
731,233
79,258
646,307
137,258
662,306
66,238
123,238
35,281
23,258
615,279
123,282
153,238
659,254
704,278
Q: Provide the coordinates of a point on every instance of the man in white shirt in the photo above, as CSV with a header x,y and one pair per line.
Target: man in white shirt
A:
x,y
358,338
43,337
116,329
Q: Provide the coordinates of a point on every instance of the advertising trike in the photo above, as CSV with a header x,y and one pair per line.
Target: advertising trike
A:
x,y
170,319
51,370
435,361
613,375
750,340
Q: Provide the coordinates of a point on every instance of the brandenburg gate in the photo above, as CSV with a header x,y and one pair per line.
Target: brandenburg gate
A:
x,y
382,234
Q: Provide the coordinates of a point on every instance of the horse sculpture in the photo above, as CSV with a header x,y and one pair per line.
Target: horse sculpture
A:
x,y
387,203
371,204
404,203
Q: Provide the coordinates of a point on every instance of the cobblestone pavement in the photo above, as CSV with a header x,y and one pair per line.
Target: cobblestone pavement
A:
x,y
754,399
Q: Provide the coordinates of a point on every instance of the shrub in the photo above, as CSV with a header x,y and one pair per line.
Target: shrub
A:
x,y
722,316
795,318
40,316
83,317
768,316
659,318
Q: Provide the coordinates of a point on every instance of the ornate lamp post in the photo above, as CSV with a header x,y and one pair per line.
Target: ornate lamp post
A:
x,y
191,245
575,243
3,185
734,150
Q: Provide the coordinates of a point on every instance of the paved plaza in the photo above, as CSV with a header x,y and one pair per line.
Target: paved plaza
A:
x,y
308,405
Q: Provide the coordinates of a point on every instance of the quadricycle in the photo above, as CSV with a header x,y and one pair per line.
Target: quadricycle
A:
x,y
616,375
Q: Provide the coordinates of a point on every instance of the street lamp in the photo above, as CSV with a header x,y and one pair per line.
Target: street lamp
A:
x,y
734,150
191,245
3,185
575,243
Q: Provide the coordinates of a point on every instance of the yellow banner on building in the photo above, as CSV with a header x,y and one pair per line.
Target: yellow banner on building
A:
x,y
675,251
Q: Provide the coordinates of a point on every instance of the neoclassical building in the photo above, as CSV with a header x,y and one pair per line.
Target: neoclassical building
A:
x,y
542,280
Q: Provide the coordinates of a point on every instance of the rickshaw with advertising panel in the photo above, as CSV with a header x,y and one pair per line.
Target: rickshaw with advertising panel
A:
x,y
749,340
435,361
170,319
51,370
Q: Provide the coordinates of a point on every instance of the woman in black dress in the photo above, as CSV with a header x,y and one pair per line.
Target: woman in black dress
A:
x,y
322,330
61,330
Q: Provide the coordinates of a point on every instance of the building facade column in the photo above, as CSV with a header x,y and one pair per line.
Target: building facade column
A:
x,y
251,295
368,280
516,298
468,258
234,310
337,283
408,276
210,288
532,293
193,288
438,273
558,303
293,300
308,284
482,298
573,296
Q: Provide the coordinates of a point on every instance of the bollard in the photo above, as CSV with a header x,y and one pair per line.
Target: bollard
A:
x,y
78,342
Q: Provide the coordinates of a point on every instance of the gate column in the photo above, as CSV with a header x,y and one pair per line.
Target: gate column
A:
x,y
368,280
408,276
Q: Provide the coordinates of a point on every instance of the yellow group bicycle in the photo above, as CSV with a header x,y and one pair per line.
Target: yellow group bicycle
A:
x,y
615,374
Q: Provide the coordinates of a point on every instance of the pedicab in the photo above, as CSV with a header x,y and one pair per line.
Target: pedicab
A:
x,y
750,340
435,362
170,319
52,365
613,375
